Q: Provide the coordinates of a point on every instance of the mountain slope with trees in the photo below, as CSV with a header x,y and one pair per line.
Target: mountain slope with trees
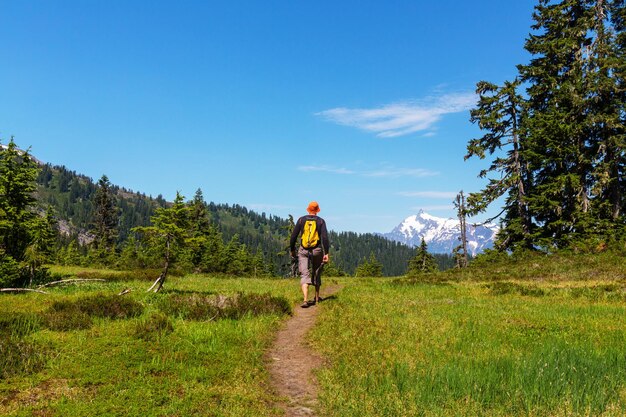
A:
x,y
86,211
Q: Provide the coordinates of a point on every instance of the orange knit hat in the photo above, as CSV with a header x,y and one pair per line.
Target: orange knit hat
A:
x,y
313,207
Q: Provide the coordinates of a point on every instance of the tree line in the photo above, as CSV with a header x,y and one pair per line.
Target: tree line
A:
x,y
67,219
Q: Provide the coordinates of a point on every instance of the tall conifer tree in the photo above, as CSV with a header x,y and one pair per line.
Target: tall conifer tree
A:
x,y
106,215
499,113
571,128
558,144
18,173
607,100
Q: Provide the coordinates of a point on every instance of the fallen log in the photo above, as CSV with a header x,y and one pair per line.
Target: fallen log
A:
x,y
21,290
70,281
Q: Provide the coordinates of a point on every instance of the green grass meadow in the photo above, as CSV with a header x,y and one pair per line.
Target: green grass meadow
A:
x,y
196,367
462,344
543,342
448,350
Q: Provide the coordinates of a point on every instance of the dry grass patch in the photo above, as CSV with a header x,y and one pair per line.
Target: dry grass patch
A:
x,y
39,395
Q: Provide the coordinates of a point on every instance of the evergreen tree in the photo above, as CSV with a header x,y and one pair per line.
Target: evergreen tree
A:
x,y
331,269
130,254
200,229
290,264
423,262
168,235
564,166
370,267
18,174
558,143
199,213
606,69
70,255
213,251
106,215
499,113
234,257
258,268
44,236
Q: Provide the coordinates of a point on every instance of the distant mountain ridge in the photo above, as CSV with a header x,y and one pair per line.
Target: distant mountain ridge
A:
x,y
441,234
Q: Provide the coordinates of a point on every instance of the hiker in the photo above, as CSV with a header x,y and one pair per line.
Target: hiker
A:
x,y
313,250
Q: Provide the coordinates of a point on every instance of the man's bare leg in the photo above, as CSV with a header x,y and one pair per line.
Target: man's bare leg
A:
x,y
305,292
317,294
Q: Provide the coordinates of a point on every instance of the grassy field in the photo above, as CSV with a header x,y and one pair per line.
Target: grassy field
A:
x,y
151,364
533,337
546,343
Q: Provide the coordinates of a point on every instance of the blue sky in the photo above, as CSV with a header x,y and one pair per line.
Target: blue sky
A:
x,y
360,105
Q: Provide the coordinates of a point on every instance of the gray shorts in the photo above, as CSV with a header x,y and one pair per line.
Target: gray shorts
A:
x,y
314,257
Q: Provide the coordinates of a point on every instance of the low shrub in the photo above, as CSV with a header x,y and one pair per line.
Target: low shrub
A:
x,y
611,292
20,357
424,279
192,306
153,327
208,307
66,320
100,305
18,324
255,305
503,287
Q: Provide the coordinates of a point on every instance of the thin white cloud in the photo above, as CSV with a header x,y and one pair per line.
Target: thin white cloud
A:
x,y
385,172
429,194
401,172
325,168
403,118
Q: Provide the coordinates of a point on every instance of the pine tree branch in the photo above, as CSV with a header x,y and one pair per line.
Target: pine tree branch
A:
x,y
489,220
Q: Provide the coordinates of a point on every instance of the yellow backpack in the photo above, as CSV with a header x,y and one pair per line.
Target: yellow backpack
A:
x,y
310,237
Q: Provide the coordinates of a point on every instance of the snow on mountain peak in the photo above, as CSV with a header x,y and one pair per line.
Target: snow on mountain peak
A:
x,y
440,234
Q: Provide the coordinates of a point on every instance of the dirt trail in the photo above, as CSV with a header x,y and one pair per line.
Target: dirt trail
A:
x,y
292,361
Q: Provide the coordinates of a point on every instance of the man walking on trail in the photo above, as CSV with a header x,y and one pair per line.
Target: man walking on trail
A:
x,y
313,251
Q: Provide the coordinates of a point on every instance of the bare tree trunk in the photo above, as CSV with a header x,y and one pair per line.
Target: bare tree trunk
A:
x,y
522,207
158,284
460,205
71,281
615,194
21,290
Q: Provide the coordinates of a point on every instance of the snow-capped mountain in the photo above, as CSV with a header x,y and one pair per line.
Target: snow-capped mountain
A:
x,y
442,235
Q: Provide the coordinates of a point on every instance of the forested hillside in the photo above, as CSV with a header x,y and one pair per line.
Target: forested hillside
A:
x,y
72,197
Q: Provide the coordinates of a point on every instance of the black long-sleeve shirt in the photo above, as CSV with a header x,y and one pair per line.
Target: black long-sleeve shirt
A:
x,y
320,226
